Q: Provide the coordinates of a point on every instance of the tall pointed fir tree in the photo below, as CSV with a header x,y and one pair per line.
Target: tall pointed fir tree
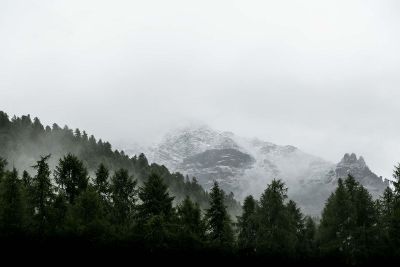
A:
x,y
247,226
274,235
124,196
218,222
12,206
156,214
101,181
42,194
192,228
71,176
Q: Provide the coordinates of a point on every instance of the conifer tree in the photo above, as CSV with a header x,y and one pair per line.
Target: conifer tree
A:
x,y
218,222
71,176
101,183
190,222
156,214
86,218
12,206
275,235
247,224
42,193
123,194
349,223
156,200
394,216
3,164
26,179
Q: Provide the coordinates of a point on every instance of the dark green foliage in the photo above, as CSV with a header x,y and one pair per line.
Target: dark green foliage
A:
x,y
247,225
191,226
71,176
41,193
349,223
101,182
12,206
276,234
86,218
218,222
155,198
22,140
3,164
156,215
123,195
165,214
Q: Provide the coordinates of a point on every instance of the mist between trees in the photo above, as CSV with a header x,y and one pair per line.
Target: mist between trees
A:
x,y
73,188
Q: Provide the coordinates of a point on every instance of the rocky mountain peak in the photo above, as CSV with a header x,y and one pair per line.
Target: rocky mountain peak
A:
x,y
351,161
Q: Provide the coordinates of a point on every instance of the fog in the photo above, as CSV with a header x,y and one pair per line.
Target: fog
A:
x,y
320,75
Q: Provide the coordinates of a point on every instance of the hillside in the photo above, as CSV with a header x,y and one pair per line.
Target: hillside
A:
x,y
23,140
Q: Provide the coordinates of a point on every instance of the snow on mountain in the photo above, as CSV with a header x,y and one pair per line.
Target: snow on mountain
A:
x,y
246,166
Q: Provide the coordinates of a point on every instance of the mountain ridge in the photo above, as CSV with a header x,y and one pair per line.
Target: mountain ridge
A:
x,y
246,165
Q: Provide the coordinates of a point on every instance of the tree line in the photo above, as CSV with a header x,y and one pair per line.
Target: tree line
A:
x,y
111,209
22,139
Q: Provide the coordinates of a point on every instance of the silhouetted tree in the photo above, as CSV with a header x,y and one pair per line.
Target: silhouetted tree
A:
x,y
71,176
247,225
218,222
123,194
192,228
42,193
12,206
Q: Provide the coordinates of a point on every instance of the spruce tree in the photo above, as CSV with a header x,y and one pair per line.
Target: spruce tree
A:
x,y
3,164
394,219
123,195
71,176
274,235
218,222
156,200
42,193
247,225
101,183
349,223
86,218
155,214
192,228
12,206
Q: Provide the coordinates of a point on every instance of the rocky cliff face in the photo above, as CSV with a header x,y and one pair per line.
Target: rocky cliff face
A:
x,y
357,167
246,166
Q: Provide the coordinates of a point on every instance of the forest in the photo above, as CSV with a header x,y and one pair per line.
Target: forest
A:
x,y
73,190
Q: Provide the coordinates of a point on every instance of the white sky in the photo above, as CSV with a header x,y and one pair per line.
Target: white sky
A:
x,y
320,75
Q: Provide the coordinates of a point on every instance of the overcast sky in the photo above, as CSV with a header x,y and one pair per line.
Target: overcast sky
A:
x,y
320,75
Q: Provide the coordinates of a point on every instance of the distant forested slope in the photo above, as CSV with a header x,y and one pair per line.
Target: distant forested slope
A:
x,y
23,140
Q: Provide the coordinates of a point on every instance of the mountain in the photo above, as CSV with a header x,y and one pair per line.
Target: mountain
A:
x,y
245,166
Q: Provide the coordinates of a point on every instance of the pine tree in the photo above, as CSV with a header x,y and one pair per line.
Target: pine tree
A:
x,y
274,236
86,218
42,193
101,183
247,224
156,214
308,243
218,222
155,198
394,217
296,226
192,228
349,223
3,164
71,176
123,194
12,206
26,179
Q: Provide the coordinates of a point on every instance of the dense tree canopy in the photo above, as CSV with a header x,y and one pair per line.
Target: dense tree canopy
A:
x,y
95,196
